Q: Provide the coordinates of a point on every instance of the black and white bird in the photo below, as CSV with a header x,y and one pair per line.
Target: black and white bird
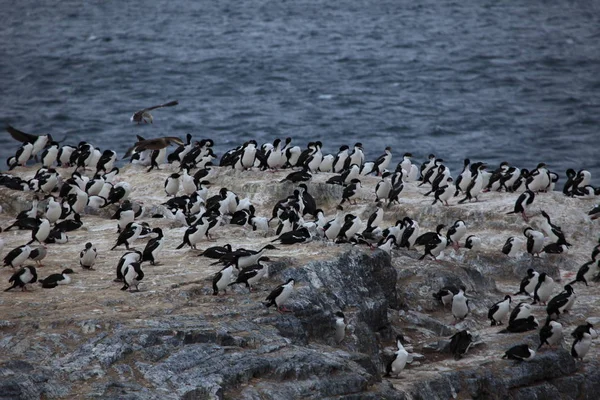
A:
x,y
153,247
434,242
445,294
460,305
456,233
41,231
476,185
22,277
216,252
444,191
538,179
280,295
543,289
551,333
87,256
301,235
340,327
383,161
521,352
513,246
253,273
132,276
535,241
528,283
129,235
398,361
554,232
222,279
383,187
17,256
53,280
125,260
583,335
196,232
521,311
499,311
472,242
587,272
562,302
521,325
522,203
350,192
124,215
244,257
460,343
303,175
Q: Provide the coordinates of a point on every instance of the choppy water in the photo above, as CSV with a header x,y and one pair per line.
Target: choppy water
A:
x,y
515,81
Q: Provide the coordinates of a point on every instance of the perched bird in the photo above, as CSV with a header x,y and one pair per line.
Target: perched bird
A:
x,y
543,289
253,273
460,305
434,242
152,144
144,115
513,246
523,202
538,179
535,241
460,343
554,232
472,242
551,333
528,283
222,279
583,335
301,235
520,352
37,254
351,191
132,275
153,247
398,361
37,142
23,277
17,256
87,256
129,235
521,325
562,302
54,280
216,251
587,272
446,294
521,311
340,327
455,233
499,311
280,295
126,259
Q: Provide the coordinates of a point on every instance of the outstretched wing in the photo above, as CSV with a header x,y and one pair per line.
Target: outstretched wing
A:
x,y
21,136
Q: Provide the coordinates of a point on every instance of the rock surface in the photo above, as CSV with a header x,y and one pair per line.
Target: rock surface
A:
x,y
175,340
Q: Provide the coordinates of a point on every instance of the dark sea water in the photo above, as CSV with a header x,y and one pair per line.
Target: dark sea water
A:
x,y
489,80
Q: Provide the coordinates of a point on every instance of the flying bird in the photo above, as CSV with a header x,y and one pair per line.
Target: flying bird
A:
x,y
144,115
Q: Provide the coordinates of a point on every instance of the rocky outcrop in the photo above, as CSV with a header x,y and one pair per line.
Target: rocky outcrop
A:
x,y
175,340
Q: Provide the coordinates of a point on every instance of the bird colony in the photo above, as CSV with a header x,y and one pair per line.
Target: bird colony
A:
x,y
84,222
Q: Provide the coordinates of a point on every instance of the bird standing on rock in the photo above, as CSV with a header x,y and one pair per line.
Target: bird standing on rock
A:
x,y
280,295
398,361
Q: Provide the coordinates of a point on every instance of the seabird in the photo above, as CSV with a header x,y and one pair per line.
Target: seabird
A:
x,y
280,295
340,327
446,294
87,256
132,275
17,256
398,361
543,289
551,333
152,144
153,247
144,115
222,279
38,142
460,305
562,302
520,352
523,201
460,343
253,273
54,280
583,335
37,254
23,277
499,311
216,251
125,260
